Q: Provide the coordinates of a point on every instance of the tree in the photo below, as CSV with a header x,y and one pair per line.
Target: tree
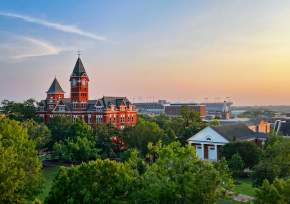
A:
x,y
236,165
38,132
19,164
104,134
20,111
60,128
275,161
278,192
215,122
177,176
100,181
79,145
143,133
248,151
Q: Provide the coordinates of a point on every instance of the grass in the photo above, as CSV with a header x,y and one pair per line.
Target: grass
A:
x,y
245,187
48,175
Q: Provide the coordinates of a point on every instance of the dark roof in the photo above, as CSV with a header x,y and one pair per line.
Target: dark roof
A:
x,y
236,132
79,69
55,87
117,101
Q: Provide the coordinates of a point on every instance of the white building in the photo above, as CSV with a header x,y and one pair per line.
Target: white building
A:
x,y
208,141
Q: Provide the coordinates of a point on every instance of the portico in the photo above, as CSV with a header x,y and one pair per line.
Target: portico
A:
x,y
209,141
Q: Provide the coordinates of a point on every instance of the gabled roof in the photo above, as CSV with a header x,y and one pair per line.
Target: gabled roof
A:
x,y
236,132
117,101
79,69
55,87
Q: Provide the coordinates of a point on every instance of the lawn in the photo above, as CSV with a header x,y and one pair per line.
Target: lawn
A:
x,y
48,175
245,187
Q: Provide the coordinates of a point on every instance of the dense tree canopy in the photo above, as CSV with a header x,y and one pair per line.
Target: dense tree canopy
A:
x,y
20,111
78,145
60,128
100,181
248,151
104,134
236,165
278,192
38,132
275,162
143,133
176,176
19,163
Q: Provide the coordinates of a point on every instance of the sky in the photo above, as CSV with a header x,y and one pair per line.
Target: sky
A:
x,y
187,51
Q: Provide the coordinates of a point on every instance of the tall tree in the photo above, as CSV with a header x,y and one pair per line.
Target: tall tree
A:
x,y
177,176
100,181
38,132
248,151
275,161
20,111
79,145
60,128
19,164
143,133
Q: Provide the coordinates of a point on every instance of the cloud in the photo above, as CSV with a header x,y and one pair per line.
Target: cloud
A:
x,y
56,26
14,47
37,48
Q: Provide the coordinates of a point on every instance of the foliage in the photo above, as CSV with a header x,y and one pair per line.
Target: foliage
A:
x,y
275,161
236,165
215,122
144,132
177,176
249,152
79,146
100,181
257,113
225,173
278,192
60,128
19,164
20,111
38,132
104,134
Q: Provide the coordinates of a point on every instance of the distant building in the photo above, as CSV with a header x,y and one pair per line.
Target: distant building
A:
x,y
282,127
209,141
221,110
174,109
262,127
117,111
153,108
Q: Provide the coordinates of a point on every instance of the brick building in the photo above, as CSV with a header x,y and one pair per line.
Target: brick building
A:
x,y
117,111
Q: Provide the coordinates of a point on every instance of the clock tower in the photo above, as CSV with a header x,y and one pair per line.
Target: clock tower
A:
x,y
79,86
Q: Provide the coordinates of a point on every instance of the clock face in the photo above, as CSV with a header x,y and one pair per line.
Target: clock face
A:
x,y
74,82
83,82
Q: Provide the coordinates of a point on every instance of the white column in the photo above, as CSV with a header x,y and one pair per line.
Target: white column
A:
x,y
216,152
202,151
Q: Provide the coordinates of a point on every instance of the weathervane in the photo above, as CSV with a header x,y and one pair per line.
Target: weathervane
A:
x,y
79,53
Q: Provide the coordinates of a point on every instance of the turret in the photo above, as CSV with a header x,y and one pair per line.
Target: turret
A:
x,y
54,94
